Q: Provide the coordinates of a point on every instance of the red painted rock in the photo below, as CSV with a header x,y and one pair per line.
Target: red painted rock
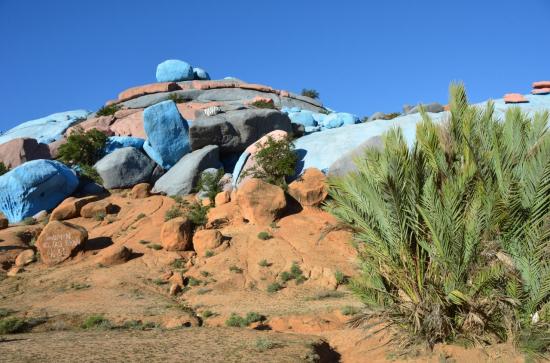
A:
x,y
541,84
101,123
59,241
54,147
126,112
514,98
18,151
540,91
192,110
130,125
147,89
310,189
260,202
176,234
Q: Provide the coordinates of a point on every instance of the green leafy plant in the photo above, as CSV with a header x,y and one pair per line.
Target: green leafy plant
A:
x,y
3,168
263,104
12,325
207,314
176,97
209,253
96,322
235,269
263,344
340,277
83,148
275,160
197,214
264,263
264,235
210,183
453,232
311,93
274,287
173,212
108,110
236,320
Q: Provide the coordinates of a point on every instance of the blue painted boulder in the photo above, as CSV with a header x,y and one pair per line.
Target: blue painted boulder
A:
x,y
167,134
200,74
35,186
173,70
46,129
118,142
303,118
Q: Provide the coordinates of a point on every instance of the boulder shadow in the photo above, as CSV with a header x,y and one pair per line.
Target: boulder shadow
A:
x,y
98,243
292,206
301,154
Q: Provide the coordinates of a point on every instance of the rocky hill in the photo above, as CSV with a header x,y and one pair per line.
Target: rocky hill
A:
x,y
169,228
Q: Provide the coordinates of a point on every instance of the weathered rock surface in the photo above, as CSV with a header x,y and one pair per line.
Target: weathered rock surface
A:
x,y
235,130
140,191
167,134
124,168
176,234
130,125
514,98
24,258
346,163
99,208
101,123
119,142
115,255
35,186
181,178
310,188
71,207
59,241
18,151
206,240
260,202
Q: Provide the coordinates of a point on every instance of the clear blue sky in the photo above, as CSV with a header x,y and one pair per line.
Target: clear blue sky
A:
x,y
362,56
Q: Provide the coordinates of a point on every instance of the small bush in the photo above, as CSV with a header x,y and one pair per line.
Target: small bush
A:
x,y
3,169
275,160
177,98
210,183
197,214
12,326
96,322
209,253
155,246
263,344
178,264
295,273
235,321
311,93
207,314
274,287
285,276
193,281
108,110
205,273
264,236
328,294
340,277
140,216
263,104
90,173
264,263
160,282
172,213
100,216
235,269
83,148
253,317
350,310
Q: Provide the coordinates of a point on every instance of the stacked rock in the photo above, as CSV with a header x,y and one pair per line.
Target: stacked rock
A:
x,y
541,88
514,98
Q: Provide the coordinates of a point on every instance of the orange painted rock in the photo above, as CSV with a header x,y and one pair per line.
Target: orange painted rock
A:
x,y
176,234
206,239
101,123
115,255
310,188
260,202
514,98
541,84
59,241
130,125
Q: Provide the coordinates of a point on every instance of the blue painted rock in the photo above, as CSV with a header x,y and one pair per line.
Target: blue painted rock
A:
x,y
173,70
183,177
303,118
167,134
200,74
35,186
118,142
46,129
124,168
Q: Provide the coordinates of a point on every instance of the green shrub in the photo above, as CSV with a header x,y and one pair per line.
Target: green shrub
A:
x,y
210,183
12,325
274,287
452,233
197,214
263,344
96,322
144,242
236,320
275,160
253,317
263,104
285,276
311,93
83,148
3,168
140,216
108,110
209,253
235,269
349,310
207,314
340,277
176,97
264,235
264,263
173,212
154,246
191,281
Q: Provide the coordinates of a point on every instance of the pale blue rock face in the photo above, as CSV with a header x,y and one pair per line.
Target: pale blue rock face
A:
x,y
167,134
303,118
119,142
321,149
35,186
173,70
200,74
46,129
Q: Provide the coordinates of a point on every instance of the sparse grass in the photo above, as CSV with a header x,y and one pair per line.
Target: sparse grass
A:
x,y
285,276
311,93
203,291
264,263
350,310
79,286
264,235
274,225
159,282
236,320
274,287
197,214
191,281
100,216
138,325
207,314
140,216
108,110
327,294
154,246
209,253
5,312
340,277
96,322
205,273
178,264
144,242
264,104
172,213
263,344
12,325
235,269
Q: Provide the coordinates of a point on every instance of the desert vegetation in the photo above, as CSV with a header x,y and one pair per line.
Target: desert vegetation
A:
x,y
82,150
311,93
3,168
453,232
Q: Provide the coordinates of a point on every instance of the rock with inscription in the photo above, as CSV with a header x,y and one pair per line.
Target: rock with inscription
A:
x,y
59,241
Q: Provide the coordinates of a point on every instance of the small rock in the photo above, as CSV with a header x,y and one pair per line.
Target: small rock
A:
x,y
175,289
541,84
309,189
4,223
176,234
177,279
260,202
206,239
94,209
514,98
115,255
141,191
174,70
59,241
185,321
24,258
70,208
222,198
14,271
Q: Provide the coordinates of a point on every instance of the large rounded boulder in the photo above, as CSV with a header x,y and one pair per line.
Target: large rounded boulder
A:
x,y
259,202
18,151
124,168
35,186
173,70
167,134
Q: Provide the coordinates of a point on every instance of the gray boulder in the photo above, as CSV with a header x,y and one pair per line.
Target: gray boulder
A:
x,y
234,131
183,177
124,168
433,107
346,163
